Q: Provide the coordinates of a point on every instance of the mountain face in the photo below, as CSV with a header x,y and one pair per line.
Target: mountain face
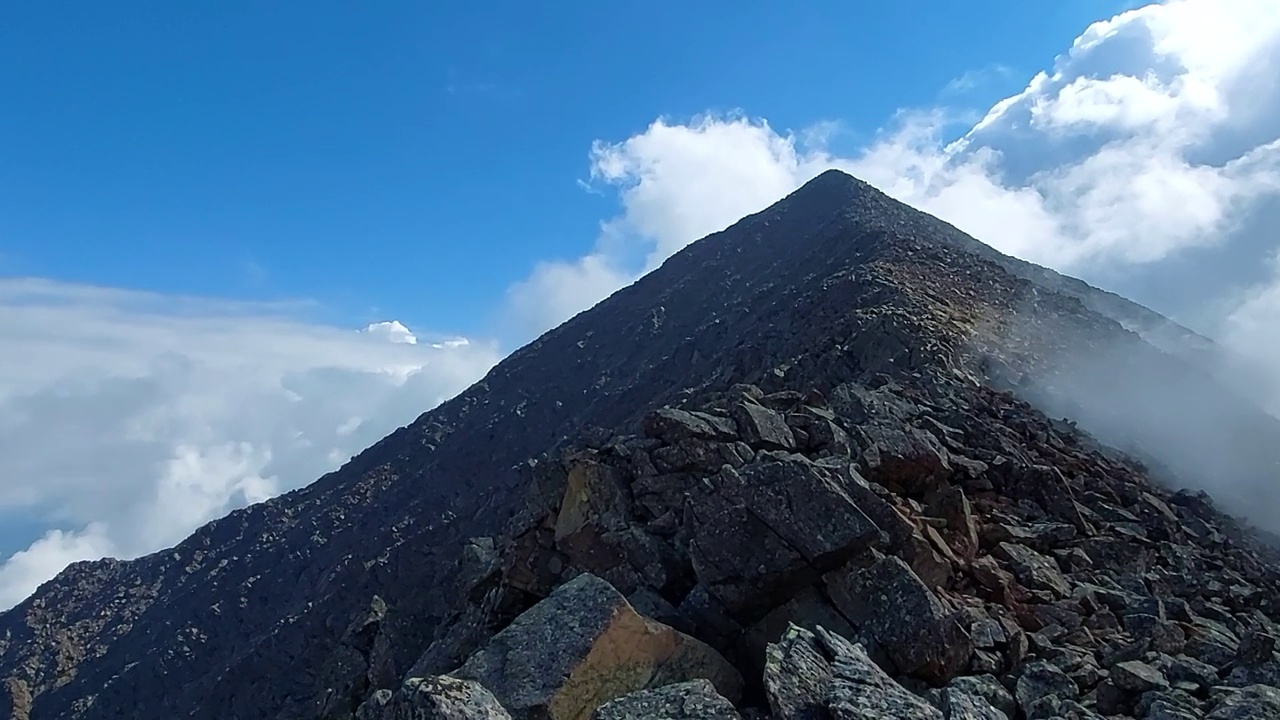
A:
x,y
807,468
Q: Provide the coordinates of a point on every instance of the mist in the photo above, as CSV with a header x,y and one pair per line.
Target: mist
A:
x,y
1187,408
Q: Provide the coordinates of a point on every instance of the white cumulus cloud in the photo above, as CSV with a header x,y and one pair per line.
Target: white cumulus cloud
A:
x,y
129,419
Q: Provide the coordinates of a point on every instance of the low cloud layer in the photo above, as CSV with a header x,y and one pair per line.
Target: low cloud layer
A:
x,y
127,419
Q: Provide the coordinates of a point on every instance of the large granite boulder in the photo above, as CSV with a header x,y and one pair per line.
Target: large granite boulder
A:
x,y
583,646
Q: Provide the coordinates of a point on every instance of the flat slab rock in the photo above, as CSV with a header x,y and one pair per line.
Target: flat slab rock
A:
x,y
693,700
583,646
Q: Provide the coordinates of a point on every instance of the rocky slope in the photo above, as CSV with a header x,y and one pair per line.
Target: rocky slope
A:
x,y
801,475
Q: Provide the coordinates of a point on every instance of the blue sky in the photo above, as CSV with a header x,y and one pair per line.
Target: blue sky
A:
x,y
240,242
416,159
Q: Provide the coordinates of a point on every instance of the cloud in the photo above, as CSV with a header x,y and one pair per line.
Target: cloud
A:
x,y
1253,328
128,419
972,80
392,331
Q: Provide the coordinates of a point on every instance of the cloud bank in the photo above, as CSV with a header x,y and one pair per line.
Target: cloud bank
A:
x,y
128,419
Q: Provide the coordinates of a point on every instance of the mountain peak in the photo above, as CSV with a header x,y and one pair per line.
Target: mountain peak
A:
x,y
838,398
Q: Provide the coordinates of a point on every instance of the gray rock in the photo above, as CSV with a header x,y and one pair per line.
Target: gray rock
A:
x,y
797,676
1256,648
1256,702
1033,570
583,646
1183,669
767,532
1040,680
988,688
1167,705
761,427
1137,677
436,698
671,426
818,675
904,457
692,700
372,708
960,705
895,607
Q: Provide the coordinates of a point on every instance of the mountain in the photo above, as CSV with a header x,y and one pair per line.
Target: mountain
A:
x,y
837,398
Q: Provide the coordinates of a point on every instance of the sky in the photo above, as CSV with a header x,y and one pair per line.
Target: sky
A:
x,y
239,242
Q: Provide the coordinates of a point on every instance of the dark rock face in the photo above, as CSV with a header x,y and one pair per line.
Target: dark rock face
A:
x,y
805,484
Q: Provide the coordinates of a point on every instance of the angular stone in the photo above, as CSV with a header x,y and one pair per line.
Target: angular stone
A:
x,y
763,534
1184,669
904,457
890,602
1256,702
671,426
959,705
1137,677
822,434
1041,537
692,700
1040,680
372,708
950,503
596,500
437,698
988,688
818,675
1256,648
761,427
1033,570
1167,705
583,646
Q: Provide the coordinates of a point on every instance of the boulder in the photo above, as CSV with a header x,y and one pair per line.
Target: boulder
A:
x,y
988,688
583,646
1256,702
761,427
814,675
903,457
1137,677
1041,680
890,603
1033,570
671,426
764,533
960,705
692,700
